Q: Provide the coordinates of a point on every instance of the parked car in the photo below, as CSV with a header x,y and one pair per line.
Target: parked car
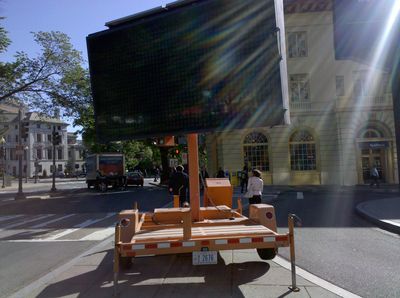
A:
x,y
134,178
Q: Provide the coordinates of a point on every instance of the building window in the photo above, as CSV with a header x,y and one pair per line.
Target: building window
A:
x,y
16,138
49,138
13,154
360,88
39,154
60,153
39,137
60,167
51,169
302,152
38,125
49,154
255,149
16,126
297,43
59,127
299,88
371,133
339,85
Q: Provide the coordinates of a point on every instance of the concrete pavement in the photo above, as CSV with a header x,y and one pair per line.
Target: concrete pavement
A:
x,y
238,273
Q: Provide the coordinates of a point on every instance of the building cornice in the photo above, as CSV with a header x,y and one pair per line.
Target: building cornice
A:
x,y
305,6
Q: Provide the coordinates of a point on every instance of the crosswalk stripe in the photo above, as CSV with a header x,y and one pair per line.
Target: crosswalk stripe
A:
x,y
79,226
7,217
99,235
51,221
21,223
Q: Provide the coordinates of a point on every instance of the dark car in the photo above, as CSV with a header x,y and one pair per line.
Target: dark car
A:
x,y
134,178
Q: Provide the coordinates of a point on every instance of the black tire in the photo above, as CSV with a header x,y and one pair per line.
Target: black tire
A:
x,y
125,262
103,186
267,253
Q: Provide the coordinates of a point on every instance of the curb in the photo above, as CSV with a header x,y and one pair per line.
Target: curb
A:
x,y
385,225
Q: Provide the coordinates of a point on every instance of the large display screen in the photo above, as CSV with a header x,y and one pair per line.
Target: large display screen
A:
x,y
209,65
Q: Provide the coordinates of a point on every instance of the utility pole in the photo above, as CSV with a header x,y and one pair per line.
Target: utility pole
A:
x,y
20,151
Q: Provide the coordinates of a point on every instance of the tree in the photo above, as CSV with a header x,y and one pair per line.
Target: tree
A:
x,y
4,40
54,80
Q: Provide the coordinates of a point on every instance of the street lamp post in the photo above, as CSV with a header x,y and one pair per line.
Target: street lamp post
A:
x,y
3,148
20,151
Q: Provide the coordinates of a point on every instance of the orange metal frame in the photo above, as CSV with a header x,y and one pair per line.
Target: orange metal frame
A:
x,y
183,230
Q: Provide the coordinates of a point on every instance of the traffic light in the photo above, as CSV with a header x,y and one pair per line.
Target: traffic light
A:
x,y
56,138
24,130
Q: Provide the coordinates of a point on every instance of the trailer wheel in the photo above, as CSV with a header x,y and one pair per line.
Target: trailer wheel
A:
x,y
267,253
125,262
103,186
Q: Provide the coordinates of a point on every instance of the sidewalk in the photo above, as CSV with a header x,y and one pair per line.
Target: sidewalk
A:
x,y
239,273
384,213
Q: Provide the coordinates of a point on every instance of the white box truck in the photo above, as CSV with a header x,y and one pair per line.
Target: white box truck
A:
x,y
104,170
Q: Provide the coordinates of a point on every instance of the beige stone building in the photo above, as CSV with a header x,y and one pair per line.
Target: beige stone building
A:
x,y
341,115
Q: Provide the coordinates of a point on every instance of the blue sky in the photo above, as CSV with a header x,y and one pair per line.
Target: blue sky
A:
x,y
76,18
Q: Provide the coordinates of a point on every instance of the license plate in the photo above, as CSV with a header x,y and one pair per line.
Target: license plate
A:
x,y
204,257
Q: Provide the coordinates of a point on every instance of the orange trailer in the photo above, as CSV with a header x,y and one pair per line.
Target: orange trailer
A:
x,y
202,231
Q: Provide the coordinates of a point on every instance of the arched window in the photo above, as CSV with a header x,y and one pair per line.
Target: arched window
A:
x,y
255,148
371,133
302,151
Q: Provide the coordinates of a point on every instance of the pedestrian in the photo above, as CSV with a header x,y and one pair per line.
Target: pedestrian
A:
x,y
156,174
220,173
203,176
178,185
375,177
244,178
255,187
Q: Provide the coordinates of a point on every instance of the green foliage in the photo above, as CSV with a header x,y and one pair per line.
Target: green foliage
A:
x,y
4,40
54,80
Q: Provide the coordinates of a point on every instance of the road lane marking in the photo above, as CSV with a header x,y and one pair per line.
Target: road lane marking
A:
x,y
25,222
79,226
300,195
4,218
100,235
52,221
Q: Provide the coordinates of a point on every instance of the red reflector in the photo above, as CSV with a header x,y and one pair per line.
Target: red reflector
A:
x,y
281,238
176,244
150,246
233,241
205,242
269,215
257,239
130,254
126,248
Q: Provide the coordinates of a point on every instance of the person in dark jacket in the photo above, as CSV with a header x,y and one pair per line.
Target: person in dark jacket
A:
x,y
220,173
244,179
178,185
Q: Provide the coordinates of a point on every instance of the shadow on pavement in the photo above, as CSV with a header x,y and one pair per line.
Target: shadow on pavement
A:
x,y
161,276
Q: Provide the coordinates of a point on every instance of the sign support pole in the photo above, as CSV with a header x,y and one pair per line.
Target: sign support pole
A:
x,y
194,176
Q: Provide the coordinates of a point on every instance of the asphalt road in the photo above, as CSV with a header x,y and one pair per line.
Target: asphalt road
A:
x,y
337,245
333,242
37,236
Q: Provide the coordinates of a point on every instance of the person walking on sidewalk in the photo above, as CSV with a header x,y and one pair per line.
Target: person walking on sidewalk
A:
x,y
244,179
375,177
255,187
178,185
